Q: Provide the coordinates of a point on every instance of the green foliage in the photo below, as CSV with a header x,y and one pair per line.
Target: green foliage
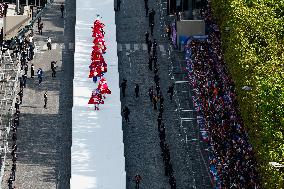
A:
x,y
254,53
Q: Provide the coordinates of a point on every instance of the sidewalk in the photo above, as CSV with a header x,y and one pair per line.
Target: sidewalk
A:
x,y
41,134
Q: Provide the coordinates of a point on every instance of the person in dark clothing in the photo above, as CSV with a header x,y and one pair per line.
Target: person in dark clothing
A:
x,y
14,138
169,32
146,3
32,71
53,68
156,70
151,93
62,10
158,89
118,5
171,91
147,37
39,75
17,104
137,180
155,100
24,80
126,113
152,28
40,27
26,68
10,182
149,46
136,90
150,63
45,99
156,79
123,86
147,10
155,60
21,94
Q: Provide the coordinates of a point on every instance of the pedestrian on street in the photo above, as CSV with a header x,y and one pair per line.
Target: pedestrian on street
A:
x,y
155,100
123,86
126,113
21,94
152,28
17,104
62,10
171,91
26,68
39,75
155,60
136,90
118,5
147,10
137,180
24,80
32,71
147,37
40,27
146,3
169,32
48,43
151,93
45,99
53,68
158,89
150,64
149,46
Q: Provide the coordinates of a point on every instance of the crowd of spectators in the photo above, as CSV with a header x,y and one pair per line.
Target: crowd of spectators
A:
x,y
232,161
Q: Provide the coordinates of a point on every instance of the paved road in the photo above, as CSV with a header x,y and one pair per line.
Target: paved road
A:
x,y
44,135
142,150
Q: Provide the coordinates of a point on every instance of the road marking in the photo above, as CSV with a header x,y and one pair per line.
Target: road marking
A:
x,y
127,46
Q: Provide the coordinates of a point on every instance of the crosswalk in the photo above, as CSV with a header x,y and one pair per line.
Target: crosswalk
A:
x,y
40,47
137,47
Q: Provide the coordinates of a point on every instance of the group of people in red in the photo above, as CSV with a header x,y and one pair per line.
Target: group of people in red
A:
x,y
98,65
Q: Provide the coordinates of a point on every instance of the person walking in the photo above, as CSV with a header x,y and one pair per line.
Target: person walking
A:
x,y
137,180
32,71
62,10
155,100
24,80
26,68
40,28
48,43
152,28
149,46
39,75
151,93
150,63
126,113
136,90
147,10
17,104
53,68
147,37
123,86
171,91
118,5
21,94
45,99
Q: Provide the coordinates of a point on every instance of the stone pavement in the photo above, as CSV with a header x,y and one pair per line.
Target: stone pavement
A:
x,y
141,140
44,135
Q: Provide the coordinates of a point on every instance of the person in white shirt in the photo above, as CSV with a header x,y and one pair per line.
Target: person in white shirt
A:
x,y
48,43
